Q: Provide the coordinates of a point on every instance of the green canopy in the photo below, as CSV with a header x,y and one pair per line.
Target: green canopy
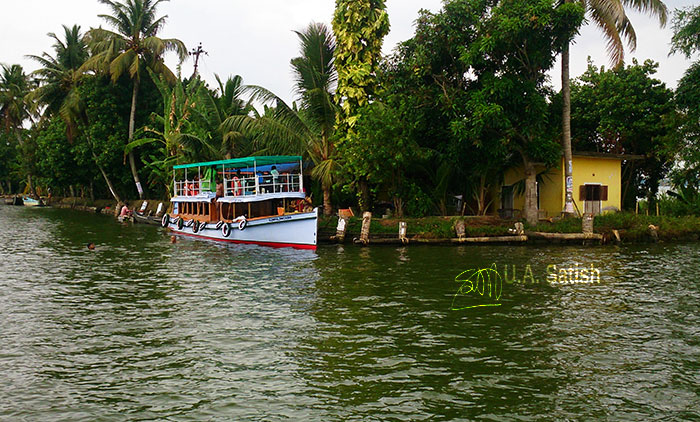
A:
x,y
245,162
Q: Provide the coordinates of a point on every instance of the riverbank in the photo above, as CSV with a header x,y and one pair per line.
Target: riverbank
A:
x,y
630,227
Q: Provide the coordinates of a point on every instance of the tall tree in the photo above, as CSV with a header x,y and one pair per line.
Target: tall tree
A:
x,y
685,141
517,42
59,78
316,80
15,87
133,47
307,128
610,17
624,111
359,27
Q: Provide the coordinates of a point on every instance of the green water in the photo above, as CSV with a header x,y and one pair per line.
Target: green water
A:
x,y
142,329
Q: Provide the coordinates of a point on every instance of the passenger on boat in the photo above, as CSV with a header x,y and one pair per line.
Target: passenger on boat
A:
x,y
275,178
195,185
219,188
238,183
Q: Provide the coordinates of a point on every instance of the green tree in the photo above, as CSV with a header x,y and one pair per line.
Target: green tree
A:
x,y
134,47
59,75
516,43
102,129
215,107
424,81
623,111
306,129
359,27
59,78
15,87
684,142
610,17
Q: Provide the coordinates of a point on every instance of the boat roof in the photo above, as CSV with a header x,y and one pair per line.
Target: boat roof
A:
x,y
245,161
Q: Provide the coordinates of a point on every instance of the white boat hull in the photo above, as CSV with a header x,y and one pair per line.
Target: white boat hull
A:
x,y
297,230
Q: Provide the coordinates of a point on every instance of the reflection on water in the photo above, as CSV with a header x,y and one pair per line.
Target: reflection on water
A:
x,y
144,329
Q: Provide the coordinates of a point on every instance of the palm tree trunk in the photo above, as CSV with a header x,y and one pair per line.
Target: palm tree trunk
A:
x,y
132,122
109,182
327,206
364,195
566,132
530,211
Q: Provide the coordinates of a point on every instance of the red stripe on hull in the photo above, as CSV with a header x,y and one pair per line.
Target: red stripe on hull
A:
x,y
251,242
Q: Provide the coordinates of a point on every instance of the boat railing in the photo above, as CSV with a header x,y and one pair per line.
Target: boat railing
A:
x,y
244,186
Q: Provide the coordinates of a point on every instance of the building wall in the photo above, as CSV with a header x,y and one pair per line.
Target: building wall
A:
x,y
605,171
550,191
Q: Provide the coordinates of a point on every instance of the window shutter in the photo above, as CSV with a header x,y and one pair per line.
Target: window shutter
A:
x,y
604,193
582,192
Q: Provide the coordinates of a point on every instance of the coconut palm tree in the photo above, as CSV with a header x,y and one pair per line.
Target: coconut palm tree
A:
x,y
132,47
59,77
15,109
306,129
15,85
610,17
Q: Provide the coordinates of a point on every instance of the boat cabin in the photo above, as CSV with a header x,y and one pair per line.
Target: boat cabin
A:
x,y
250,187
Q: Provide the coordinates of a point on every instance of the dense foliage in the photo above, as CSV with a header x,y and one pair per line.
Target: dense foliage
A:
x,y
435,124
623,111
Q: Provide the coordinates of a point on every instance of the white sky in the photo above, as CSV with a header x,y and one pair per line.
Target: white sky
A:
x,y
255,39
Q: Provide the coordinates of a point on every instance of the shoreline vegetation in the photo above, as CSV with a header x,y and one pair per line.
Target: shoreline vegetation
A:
x,y
632,228
460,118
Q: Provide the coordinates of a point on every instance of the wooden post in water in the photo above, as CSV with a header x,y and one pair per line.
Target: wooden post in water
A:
x,y
364,234
402,232
587,223
340,229
519,229
460,229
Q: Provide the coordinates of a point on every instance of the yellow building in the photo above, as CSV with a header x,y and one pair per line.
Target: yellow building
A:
x,y
596,182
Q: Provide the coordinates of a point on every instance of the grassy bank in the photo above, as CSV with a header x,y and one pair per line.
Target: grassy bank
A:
x,y
631,227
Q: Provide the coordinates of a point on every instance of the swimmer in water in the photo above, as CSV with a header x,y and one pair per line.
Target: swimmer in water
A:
x,y
91,246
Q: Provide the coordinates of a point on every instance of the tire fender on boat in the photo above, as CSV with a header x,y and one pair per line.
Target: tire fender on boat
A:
x,y
195,226
242,224
225,229
190,223
180,223
165,221
219,224
202,226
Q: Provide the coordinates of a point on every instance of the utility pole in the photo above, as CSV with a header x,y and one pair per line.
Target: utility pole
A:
x,y
196,52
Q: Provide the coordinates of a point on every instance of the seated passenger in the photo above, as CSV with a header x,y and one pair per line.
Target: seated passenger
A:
x,y
219,188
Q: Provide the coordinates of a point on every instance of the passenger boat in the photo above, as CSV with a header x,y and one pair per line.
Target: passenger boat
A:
x,y
261,201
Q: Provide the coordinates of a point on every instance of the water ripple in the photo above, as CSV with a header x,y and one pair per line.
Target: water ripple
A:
x,y
142,329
